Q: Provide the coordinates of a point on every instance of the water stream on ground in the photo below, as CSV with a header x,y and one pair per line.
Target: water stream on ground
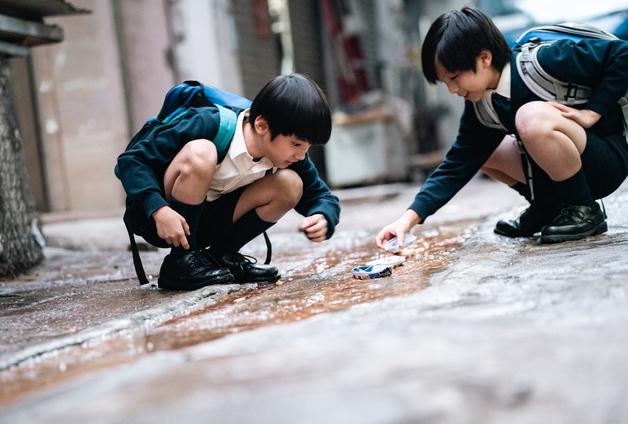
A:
x,y
309,287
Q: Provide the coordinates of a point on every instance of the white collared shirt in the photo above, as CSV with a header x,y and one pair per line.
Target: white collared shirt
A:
x,y
503,86
238,168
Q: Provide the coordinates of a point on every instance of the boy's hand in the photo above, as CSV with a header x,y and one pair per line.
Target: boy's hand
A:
x,y
172,227
314,227
584,117
397,229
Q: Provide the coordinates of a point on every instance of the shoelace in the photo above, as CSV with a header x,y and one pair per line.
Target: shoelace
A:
x,y
245,258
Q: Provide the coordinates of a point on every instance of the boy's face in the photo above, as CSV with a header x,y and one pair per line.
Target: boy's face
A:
x,y
469,84
284,150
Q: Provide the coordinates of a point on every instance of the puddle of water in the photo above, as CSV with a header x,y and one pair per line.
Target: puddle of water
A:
x,y
308,288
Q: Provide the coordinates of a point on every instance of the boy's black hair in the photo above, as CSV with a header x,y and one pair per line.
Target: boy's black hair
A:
x,y
294,105
457,38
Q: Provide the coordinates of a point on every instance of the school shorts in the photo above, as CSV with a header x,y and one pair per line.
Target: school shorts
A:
x,y
604,162
216,221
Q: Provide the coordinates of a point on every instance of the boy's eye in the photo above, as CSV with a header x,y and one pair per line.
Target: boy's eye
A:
x,y
454,77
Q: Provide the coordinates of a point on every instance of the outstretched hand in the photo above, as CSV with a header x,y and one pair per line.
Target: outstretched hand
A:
x,y
314,227
398,228
584,117
172,227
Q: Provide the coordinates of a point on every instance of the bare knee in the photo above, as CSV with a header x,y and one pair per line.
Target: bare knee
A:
x,y
288,188
198,158
534,122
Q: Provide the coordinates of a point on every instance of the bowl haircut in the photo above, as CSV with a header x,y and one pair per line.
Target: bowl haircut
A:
x,y
457,38
294,105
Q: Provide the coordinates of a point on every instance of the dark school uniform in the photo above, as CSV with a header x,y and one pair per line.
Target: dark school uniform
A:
x,y
141,170
599,64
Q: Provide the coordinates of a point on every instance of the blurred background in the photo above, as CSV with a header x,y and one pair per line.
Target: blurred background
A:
x,y
78,102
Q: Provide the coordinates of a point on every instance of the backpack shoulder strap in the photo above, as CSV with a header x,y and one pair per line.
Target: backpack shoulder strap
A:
x,y
226,131
543,84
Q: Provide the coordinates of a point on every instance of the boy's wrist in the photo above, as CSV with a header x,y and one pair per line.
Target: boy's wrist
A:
x,y
159,211
411,218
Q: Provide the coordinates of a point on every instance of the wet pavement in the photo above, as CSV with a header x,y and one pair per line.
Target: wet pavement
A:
x,y
473,328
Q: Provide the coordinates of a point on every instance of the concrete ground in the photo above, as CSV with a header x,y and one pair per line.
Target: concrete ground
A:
x,y
504,331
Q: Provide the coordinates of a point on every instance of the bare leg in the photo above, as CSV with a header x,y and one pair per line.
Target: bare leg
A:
x,y
504,165
553,141
271,196
188,176
556,143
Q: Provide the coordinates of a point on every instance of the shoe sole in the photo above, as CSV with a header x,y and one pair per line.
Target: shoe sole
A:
x,y
272,279
511,234
165,283
559,238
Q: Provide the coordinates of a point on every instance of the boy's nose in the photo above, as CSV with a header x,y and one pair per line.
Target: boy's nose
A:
x,y
452,88
301,153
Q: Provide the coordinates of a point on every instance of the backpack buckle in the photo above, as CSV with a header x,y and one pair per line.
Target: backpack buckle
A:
x,y
572,91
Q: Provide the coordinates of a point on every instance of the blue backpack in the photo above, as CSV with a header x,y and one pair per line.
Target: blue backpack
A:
x,y
540,82
192,93
189,94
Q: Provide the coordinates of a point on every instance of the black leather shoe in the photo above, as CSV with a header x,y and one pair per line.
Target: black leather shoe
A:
x,y
574,223
529,222
246,270
190,272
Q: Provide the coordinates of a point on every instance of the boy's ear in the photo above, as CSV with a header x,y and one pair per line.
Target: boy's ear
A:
x,y
261,125
486,58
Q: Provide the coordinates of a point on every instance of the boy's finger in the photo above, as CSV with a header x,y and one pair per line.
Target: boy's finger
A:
x,y
184,242
379,240
317,226
316,234
308,222
558,106
186,228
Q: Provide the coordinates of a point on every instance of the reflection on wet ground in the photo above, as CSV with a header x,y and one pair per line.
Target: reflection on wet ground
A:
x,y
309,287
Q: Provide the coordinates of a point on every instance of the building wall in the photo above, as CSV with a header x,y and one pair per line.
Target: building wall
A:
x,y
205,43
258,51
82,111
144,44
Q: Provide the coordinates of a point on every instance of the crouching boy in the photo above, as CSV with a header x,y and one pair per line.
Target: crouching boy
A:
x,y
183,194
572,155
